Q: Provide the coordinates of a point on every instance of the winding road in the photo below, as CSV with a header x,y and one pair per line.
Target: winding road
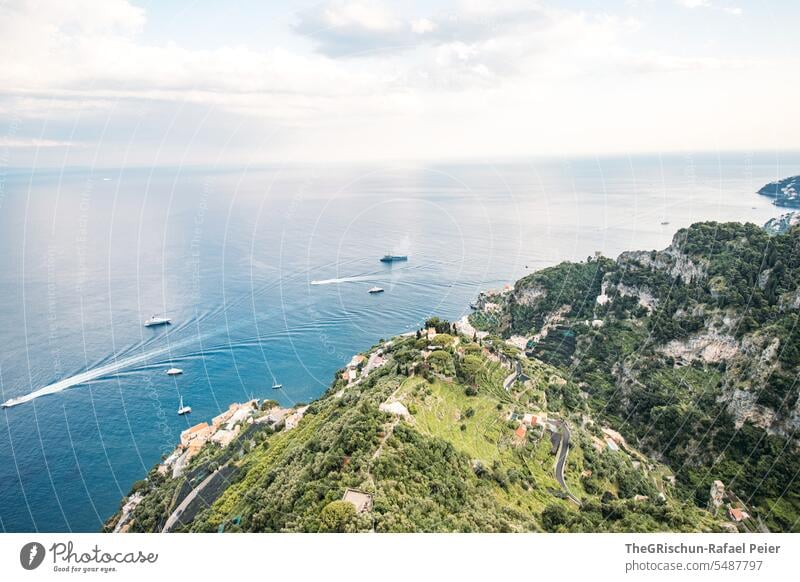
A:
x,y
561,461
512,377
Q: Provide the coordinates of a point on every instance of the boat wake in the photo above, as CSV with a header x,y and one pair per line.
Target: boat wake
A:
x,y
343,280
118,364
89,375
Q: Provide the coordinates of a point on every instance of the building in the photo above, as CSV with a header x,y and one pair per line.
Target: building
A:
x,y
520,432
355,361
737,514
199,431
275,415
294,419
361,501
223,437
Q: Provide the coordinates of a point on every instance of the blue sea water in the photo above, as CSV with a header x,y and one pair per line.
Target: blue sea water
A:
x,y
264,273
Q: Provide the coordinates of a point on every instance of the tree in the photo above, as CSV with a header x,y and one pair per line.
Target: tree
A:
x,y
554,516
469,368
440,325
442,362
335,516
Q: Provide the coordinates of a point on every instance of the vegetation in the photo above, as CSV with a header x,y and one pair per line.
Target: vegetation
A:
x,y
724,411
456,464
691,353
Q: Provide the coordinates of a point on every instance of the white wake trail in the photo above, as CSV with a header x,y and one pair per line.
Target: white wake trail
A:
x,y
92,374
343,280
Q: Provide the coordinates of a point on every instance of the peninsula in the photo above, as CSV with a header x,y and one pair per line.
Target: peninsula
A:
x,y
653,392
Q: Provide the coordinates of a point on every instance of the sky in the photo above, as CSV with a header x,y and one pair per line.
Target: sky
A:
x,y
114,83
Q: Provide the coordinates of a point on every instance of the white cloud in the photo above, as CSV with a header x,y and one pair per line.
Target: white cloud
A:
x,y
505,78
733,10
694,3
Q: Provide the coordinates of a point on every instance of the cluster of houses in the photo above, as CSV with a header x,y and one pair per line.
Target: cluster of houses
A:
x,y
224,428
531,420
360,366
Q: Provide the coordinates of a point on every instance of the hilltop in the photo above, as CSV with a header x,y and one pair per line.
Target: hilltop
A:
x,y
443,430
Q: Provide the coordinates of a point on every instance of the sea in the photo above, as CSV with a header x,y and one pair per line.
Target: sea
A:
x,y
264,273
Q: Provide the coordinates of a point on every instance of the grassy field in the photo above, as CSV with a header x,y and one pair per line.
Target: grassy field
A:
x,y
440,409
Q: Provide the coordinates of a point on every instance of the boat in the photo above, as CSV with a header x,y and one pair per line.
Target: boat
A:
x,y
276,386
174,371
393,258
375,290
183,409
11,402
157,320
664,222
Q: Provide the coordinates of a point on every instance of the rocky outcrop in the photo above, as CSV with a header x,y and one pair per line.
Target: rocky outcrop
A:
x,y
529,296
671,260
743,406
709,348
642,294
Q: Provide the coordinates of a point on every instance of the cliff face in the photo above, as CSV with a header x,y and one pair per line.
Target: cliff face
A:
x,y
696,348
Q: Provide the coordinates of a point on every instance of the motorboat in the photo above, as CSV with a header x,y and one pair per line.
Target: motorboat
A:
x,y
174,372
157,320
375,290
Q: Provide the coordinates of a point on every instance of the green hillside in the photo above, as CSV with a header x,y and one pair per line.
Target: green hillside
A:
x,y
692,352
445,454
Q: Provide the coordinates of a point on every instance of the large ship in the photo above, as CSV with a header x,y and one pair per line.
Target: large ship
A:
x,y
393,258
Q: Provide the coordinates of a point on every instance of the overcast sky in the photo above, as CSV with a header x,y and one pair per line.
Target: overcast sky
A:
x,y
117,82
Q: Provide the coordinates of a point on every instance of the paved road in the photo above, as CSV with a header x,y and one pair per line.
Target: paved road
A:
x,y
175,515
512,377
561,461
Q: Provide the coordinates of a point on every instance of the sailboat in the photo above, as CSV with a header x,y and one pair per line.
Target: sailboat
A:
x,y
183,409
275,385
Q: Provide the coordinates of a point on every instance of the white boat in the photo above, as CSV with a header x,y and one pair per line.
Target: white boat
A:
x,y
374,290
184,409
12,402
174,371
157,320
276,386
